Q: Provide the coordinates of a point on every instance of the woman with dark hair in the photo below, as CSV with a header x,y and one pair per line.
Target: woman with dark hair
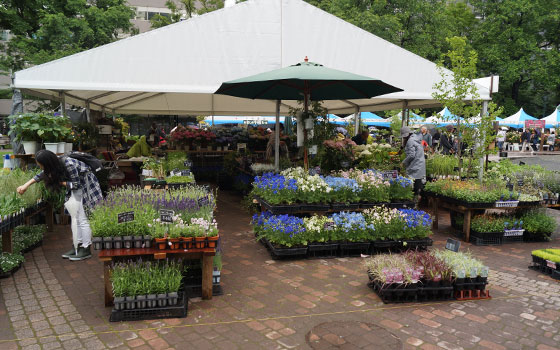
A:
x,y
82,193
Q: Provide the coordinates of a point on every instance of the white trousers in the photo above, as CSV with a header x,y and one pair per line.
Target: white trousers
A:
x,y
81,231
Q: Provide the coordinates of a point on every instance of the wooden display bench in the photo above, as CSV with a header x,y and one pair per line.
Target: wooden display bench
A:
x,y
466,211
7,246
206,254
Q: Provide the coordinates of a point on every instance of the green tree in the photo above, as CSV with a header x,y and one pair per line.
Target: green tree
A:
x,y
459,93
45,30
188,6
519,40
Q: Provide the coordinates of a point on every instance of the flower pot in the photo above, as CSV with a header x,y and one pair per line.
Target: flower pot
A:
x,y
187,242
141,301
68,147
152,302
173,296
162,299
147,241
174,243
138,241
161,243
117,242
30,147
200,242
107,242
60,147
51,146
119,303
127,242
130,303
97,243
213,241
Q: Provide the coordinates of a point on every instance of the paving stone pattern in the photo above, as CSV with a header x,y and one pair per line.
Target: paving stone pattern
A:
x,y
275,304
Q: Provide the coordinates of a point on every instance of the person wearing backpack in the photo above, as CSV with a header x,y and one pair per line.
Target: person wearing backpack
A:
x,y
82,194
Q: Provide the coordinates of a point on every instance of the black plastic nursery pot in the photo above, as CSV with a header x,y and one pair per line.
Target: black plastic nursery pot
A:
x,y
322,250
314,207
395,292
152,311
354,248
278,252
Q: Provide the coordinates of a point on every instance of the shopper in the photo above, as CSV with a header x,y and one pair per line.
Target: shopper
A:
x,y
534,140
426,136
525,138
82,194
551,140
361,138
414,162
154,135
501,138
446,141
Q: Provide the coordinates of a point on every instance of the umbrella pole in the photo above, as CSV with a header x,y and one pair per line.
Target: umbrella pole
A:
x,y
277,138
305,109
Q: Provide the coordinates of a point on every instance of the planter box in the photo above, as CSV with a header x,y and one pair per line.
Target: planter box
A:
x,y
322,250
179,310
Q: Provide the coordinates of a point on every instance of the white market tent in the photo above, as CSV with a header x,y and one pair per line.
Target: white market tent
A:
x,y
249,120
174,70
553,119
517,120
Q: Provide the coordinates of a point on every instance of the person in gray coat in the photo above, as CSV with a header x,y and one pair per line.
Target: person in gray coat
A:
x,y
415,163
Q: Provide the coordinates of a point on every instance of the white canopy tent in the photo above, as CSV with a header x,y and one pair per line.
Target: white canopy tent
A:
x,y
175,69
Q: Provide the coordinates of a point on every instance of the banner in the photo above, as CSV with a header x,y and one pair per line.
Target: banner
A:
x,y
535,124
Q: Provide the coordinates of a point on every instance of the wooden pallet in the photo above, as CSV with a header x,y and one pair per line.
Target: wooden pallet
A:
x,y
473,294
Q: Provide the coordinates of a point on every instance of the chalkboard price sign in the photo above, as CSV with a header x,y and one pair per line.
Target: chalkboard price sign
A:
x,y
452,245
166,215
125,217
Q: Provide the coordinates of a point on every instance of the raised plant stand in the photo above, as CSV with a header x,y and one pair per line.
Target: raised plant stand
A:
x,y
206,254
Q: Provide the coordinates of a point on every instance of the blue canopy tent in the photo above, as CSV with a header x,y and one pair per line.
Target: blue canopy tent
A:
x,y
517,120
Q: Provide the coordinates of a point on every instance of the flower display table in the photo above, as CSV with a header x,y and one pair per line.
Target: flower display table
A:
x,y
7,233
206,254
464,208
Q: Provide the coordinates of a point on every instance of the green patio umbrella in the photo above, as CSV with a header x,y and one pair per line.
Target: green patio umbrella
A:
x,y
308,81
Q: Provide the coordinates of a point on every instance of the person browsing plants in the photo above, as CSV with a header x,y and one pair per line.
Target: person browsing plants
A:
x,y
82,193
414,162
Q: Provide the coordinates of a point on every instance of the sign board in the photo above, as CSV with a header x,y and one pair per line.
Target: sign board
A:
x,y
390,174
127,216
551,264
452,245
535,124
166,215
105,129
146,172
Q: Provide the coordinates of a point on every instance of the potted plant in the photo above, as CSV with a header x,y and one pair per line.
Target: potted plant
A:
x,y
53,131
25,127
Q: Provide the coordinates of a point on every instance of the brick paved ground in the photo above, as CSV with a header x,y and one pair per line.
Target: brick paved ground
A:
x,y
270,304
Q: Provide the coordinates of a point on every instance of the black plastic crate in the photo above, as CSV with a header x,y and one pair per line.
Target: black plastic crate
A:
x,y
485,240
175,311
435,293
280,252
395,293
512,239
477,283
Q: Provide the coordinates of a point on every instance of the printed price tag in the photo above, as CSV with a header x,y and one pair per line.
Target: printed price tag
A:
x,y
185,173
452,245
146,172
166,215
125,217
551,264
391,174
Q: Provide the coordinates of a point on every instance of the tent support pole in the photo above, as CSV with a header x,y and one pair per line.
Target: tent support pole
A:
x,y
357,121
481,161
277,138
404,113
88,112
62,103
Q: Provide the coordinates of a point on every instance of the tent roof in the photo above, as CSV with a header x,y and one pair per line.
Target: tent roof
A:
x,y
518,118
554,117
177,68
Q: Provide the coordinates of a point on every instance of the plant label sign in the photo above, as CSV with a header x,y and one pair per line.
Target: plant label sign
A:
x,y
391,174
127,216
452,245
187,163
166,215
185,173
551,264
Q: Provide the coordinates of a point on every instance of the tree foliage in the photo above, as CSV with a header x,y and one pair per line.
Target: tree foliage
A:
x,y
185,10
45,30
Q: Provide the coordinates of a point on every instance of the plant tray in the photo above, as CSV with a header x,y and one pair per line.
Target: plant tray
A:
x,y
395,292
11,272
476,239
512,239
175,311
418,243
354,248
322,250
478,283
533,203
384,245
345,206
176,186
314,207
283,252
401,205
506,204
32,247
544,268
435,293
